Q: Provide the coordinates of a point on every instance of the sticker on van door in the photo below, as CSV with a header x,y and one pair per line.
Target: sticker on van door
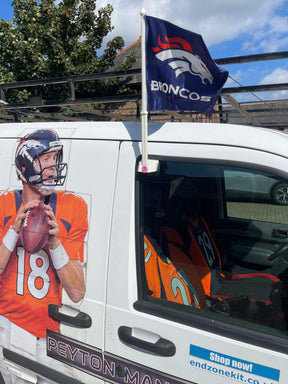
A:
x,y
43,232
227,366
112,368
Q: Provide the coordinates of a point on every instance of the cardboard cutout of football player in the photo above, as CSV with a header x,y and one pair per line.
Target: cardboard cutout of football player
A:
x,y
30,282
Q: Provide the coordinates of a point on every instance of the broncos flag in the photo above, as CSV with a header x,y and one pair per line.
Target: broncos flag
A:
x,y
180,73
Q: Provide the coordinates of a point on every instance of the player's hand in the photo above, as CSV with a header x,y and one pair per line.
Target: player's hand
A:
x,y
23,214
54,230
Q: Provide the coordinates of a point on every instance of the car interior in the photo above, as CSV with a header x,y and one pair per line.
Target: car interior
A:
x,y
237,243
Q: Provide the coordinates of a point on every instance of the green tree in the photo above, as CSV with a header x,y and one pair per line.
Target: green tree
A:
x,y
48,40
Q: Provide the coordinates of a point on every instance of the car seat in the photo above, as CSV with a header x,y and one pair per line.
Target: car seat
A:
x,y
257,293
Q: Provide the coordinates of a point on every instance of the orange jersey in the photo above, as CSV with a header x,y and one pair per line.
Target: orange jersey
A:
x,y
204,254
173,278
29,282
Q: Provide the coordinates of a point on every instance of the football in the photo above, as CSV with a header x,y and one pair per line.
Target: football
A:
x,y
35,229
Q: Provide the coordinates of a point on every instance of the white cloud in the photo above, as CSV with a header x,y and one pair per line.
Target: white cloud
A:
x,y
256,22
279,75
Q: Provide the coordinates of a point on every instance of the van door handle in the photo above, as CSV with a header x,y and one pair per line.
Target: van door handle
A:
x,y
80,320
161,347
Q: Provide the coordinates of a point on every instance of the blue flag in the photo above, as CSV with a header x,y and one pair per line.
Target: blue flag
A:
x,y
180,73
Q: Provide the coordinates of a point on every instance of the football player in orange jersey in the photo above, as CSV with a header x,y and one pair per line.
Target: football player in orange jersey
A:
x,y
30,282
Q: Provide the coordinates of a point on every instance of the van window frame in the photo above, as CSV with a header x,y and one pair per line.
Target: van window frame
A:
x,y
187,316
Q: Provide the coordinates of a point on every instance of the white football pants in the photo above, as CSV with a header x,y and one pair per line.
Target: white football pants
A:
x,y
20,341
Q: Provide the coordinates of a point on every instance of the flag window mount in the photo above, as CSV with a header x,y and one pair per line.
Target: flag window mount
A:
x,y
152,166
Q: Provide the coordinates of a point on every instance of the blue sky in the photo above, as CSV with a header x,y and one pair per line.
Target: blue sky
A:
x,y
228,27
6,10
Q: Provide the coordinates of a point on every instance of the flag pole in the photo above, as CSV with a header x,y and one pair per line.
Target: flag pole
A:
x,y
144,112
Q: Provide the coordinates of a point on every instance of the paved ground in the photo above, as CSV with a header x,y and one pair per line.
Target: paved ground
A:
x,y
258,211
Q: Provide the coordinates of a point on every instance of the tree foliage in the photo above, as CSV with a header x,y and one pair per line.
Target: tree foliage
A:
x,y
48,39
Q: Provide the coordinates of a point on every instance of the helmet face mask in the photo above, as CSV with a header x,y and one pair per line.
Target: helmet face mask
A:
x,y
28,160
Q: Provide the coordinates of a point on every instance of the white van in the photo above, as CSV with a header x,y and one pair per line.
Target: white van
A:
x,y
186,276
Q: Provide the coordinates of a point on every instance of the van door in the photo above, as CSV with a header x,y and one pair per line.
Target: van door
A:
x,y
95,182
202,336
92,172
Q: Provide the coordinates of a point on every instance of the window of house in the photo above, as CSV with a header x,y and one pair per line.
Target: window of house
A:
x,y
215,241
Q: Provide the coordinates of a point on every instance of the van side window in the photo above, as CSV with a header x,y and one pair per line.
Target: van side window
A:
x,y
215,243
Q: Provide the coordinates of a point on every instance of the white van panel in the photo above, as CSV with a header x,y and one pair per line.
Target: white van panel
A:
x,y
102,160
6,159
90,163
122,289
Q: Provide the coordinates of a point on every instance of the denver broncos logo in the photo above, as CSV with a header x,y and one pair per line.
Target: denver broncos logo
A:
x,y
182,58
24,145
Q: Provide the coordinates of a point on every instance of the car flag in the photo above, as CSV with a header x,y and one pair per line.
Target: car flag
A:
x,y
180,73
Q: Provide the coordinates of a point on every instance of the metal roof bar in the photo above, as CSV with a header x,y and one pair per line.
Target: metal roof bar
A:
x,y
252,58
